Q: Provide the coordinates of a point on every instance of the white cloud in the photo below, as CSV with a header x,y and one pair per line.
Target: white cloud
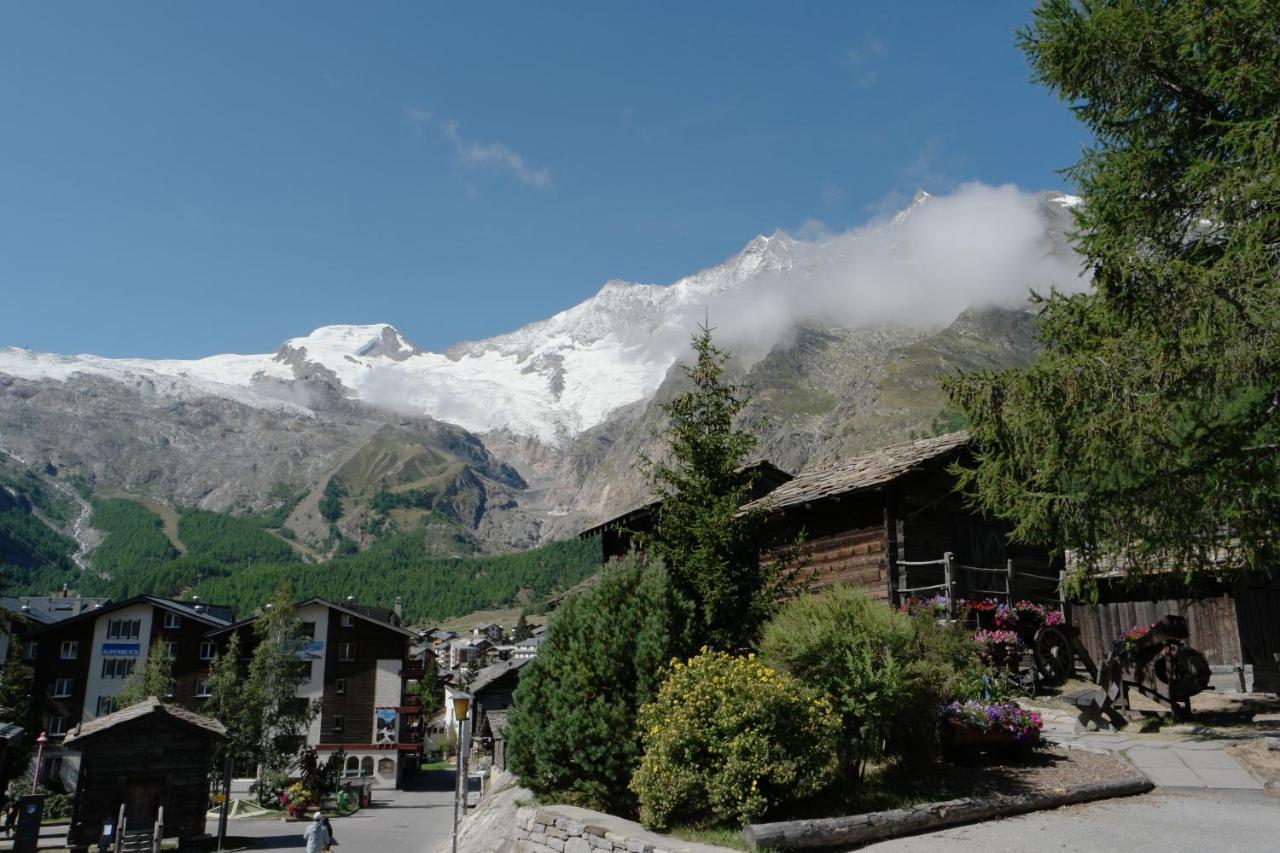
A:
x,y
870,49
979,245
479,155
862,59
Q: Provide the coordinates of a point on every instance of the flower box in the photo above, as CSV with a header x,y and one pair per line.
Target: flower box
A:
x,y
958,735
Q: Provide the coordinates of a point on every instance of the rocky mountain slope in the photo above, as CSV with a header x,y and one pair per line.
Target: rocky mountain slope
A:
x,y
531,435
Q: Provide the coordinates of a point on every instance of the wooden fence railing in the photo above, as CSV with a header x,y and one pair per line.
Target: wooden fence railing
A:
x,y
956,582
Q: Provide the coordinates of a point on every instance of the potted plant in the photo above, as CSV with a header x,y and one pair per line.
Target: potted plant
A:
x,y
999,648
1002,726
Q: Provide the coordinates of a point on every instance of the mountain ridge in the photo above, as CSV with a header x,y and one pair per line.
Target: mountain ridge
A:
x,y
843,338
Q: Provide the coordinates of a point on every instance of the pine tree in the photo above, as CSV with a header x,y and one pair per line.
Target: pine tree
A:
x,y
1147,430
155,678
710,546
572,727
522,631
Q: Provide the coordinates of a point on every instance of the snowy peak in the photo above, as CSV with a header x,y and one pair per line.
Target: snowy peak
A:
x,y
380,340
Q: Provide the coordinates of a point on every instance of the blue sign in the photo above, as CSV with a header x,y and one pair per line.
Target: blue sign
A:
x,y
121,650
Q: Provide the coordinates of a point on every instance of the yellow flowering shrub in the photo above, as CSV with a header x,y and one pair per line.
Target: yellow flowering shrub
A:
x,y
728,739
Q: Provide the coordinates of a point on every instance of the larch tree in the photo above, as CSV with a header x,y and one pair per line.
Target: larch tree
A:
x,y
155,678
1147,432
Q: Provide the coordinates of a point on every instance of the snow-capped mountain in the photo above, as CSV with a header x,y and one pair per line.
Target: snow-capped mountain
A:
x,y
554,379
542,381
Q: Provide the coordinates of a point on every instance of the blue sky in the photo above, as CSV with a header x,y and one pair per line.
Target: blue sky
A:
x,y
179,179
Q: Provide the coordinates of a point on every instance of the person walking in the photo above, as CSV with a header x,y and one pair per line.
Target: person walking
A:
x,y
316,836
328,827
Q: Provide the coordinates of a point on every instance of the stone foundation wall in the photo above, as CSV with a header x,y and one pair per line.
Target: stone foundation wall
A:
x,y
547,831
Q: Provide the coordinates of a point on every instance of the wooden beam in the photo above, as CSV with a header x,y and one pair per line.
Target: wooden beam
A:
x,y
891,548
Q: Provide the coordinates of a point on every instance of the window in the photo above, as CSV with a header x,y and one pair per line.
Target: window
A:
x,y
173,649
117,667
172,620
62,688
56,726
308,668
352,767
346,651
309,630
348,621
339,723
202,688
51,767
386,767
29,649
106,705
70,650
366,766
340,686
124,629
207,650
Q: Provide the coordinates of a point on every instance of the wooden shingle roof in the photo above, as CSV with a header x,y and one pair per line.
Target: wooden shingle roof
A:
x,y
865,471
152,706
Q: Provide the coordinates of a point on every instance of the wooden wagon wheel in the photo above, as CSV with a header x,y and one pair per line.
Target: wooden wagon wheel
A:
x,y
1052,650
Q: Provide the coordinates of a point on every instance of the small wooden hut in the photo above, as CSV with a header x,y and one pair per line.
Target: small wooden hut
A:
x,y
143,759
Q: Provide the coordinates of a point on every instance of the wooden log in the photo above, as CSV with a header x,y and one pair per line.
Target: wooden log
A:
x,y
847,832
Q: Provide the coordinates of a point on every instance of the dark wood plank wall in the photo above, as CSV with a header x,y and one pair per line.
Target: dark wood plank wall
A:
x,y
373,643
187,666
1258,615
844,542
156,749
49,666
936,521
1211,622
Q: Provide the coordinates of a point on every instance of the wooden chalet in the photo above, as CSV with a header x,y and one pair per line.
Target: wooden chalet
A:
x,y
148,763
618,534
883,521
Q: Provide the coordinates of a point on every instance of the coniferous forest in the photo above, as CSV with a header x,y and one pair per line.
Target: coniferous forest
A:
x,y
239,561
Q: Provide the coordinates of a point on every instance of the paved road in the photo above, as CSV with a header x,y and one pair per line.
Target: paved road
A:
x,y
1166,821
410,821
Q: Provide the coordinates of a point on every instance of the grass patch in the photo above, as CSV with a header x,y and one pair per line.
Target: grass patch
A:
x,y
443,764
719,836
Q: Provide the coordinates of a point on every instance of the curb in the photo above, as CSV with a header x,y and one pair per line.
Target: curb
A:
x,y
862,829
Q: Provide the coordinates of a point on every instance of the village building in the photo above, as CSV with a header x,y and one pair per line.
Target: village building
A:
x,y
361,670
80,661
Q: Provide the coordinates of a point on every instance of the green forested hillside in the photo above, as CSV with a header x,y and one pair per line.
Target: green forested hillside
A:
x,y
229,539
135,539
33,554
234,560
431,588
45,498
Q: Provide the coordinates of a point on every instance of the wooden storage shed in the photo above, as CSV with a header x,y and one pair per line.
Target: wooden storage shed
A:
x,y
146,757
866,517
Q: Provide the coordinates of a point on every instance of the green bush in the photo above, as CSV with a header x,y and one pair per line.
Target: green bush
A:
x,y
729,739
885,672
572,728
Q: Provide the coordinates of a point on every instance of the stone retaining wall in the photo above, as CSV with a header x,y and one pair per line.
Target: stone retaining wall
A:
x,y
546,830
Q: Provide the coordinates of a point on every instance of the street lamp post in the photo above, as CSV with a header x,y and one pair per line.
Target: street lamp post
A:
x,y
40,742
461,705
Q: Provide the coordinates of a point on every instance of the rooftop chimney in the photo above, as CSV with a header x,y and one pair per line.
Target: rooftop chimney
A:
x,y
399,608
